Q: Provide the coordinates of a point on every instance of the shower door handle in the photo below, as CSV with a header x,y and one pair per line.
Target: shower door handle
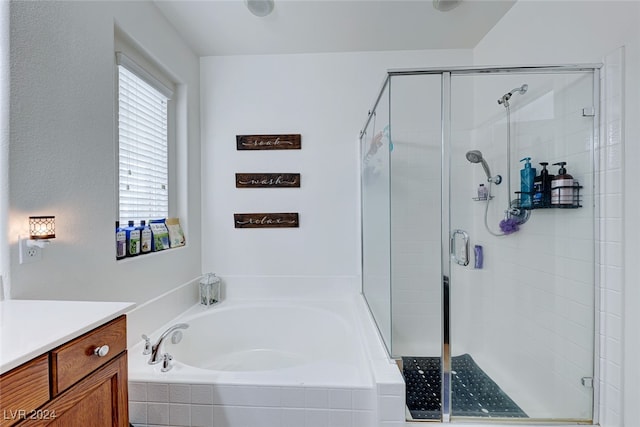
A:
x,y
460,257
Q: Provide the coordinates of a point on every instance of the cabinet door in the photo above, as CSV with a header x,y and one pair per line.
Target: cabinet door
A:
x,y
23,389
99,400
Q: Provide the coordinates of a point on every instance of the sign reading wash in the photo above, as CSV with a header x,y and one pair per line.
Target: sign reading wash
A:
x,y
268,142
267,180
266,220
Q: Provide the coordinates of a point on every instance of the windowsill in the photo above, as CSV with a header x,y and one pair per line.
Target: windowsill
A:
x,y
149,254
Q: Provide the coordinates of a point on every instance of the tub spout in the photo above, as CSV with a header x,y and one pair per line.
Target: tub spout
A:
x,y
156,355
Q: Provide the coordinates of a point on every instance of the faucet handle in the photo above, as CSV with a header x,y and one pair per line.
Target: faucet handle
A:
x,y
147,345
166,362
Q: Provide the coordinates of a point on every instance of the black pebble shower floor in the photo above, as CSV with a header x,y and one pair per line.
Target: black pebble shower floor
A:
x,y
474,394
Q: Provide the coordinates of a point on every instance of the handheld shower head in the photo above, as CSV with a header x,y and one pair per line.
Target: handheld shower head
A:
x,y
475,156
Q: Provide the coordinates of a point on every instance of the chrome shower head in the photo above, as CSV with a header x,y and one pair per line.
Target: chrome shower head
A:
x,y
504,99
475,156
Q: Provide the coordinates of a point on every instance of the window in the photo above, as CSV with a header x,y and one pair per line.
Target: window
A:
x,y
143,143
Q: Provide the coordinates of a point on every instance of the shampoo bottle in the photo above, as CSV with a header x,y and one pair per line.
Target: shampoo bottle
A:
x,y
527,178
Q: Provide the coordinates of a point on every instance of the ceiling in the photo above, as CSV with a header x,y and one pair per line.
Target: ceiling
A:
x,y
226,27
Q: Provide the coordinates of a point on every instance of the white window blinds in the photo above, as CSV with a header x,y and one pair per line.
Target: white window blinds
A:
x,y
143,144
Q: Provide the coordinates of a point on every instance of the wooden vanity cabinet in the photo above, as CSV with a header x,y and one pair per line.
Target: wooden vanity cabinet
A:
x,y
83,388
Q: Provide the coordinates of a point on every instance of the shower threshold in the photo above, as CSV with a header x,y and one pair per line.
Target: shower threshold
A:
x,y
473,392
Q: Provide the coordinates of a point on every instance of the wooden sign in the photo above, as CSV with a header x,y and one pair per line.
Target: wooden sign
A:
x,y
267,180
266,220
268,142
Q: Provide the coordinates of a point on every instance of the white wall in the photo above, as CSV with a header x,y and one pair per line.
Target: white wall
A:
x,y
324,97
62,149
574,32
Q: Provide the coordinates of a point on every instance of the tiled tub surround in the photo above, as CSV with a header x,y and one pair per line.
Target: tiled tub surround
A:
x,y
333,370
245,405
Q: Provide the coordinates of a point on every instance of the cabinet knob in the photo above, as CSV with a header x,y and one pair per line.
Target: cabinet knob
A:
x,y
101,351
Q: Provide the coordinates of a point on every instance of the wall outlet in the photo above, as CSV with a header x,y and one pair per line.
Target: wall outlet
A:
x,y
28,253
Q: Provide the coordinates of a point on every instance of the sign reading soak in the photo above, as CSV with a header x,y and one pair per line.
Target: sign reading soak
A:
x,y
266,220
268,142
267,180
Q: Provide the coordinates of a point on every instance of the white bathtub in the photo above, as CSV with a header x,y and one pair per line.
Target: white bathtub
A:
x,y
269,363
263,343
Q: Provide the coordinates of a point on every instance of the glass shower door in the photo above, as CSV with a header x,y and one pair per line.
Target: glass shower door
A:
x,y
376,215
416,269
522,315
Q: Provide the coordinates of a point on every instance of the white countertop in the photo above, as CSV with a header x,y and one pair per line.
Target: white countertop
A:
x,y
29,328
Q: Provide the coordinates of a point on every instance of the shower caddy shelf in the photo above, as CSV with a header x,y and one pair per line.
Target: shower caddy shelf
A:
x,y
575,198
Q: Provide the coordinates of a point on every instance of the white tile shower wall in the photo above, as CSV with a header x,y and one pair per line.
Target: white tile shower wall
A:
x,y
610,160
260,406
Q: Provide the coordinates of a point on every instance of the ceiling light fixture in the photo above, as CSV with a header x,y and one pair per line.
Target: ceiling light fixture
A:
x,y
260,8
446,5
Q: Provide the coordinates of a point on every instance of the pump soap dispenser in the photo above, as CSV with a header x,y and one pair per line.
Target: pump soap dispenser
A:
x,y
527,178
562,187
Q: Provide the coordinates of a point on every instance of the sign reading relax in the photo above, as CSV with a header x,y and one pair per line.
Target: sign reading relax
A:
x,y
266,220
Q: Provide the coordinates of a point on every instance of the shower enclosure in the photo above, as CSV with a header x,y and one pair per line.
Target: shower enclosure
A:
x,y
487,305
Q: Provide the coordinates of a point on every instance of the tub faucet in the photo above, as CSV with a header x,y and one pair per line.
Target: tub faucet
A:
x,y
156,356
